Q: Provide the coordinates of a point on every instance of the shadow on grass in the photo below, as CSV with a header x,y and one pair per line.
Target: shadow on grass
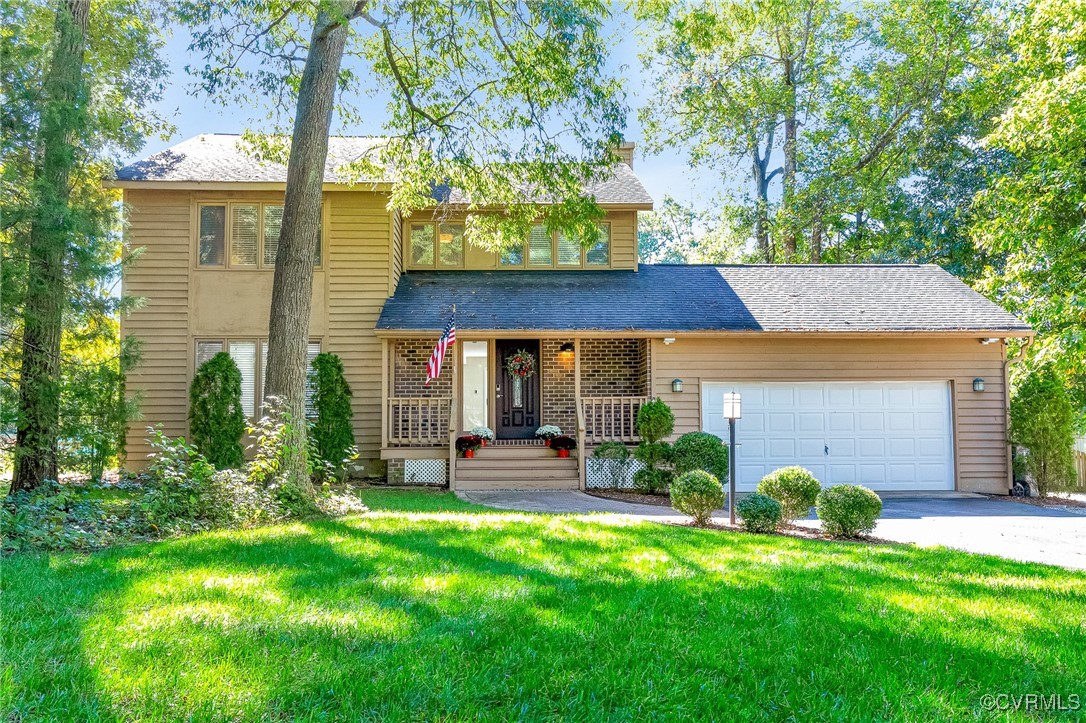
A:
x,y
475,614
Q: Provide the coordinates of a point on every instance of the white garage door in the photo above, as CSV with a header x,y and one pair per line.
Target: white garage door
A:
x,y
884,435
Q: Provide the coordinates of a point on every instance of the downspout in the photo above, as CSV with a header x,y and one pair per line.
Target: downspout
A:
x,y
1007,405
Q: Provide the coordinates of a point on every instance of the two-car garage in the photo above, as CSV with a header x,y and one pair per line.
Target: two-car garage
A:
x,y
889,436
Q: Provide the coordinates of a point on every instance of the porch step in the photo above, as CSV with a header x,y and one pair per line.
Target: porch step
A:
x,y
526,452
517,472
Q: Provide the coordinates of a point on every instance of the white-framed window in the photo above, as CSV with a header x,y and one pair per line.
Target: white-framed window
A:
x,y
242,234
550,249
251,356
439,244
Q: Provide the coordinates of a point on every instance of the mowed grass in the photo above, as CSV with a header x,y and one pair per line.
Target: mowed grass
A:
x,y
431,608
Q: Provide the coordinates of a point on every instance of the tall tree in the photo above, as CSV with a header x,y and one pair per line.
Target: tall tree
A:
x,y
496,104
79,79
1032,218
39,381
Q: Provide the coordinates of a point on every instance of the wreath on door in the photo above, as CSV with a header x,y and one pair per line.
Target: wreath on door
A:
x,y
520,364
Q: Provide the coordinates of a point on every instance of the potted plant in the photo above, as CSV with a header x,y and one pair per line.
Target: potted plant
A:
x,y
548,432
484,433
563,444
467,444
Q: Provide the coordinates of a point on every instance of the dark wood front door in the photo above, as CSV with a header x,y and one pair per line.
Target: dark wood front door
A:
x,y
517,398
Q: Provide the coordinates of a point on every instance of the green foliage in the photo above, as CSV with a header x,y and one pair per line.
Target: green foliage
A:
x,y
616,459
1030,218
1042,421
332,434
794,487
59,517
273,439
848,510
759,513
700,450
181,490
216,418
679,234
697,494
651,480
655,421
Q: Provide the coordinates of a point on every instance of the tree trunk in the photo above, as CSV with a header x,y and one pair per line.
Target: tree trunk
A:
x,y
791,127
292,287
39,380
816,239
761,205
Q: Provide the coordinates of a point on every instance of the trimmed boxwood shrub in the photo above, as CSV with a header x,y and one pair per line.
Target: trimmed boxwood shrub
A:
x,y
700,450
654,422
759,513
651,481
332,433
216,418
697,494
848,510
794,487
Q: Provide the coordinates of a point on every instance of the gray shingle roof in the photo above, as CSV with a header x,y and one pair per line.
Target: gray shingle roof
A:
x,y
220,158
846,299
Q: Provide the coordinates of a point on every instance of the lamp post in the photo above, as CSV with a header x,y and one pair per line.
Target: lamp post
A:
x,y
732,411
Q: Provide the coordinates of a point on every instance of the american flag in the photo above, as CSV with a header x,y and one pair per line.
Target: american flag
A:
x,y
448,338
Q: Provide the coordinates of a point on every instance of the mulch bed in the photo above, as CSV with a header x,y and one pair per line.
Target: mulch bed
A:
x,y
633,497
1059,503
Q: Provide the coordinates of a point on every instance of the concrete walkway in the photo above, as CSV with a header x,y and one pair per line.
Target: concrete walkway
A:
x,y
1008,529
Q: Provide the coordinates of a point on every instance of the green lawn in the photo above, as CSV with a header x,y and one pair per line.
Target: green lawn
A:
x,y
432,608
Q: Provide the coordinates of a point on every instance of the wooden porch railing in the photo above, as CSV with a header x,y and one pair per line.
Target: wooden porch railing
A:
x,y
419,421
609,418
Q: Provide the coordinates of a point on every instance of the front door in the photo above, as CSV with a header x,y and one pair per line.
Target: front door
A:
x,y
517,397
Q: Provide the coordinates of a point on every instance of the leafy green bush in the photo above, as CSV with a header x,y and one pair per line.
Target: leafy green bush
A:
x,y
700,450
848,510
655,421
1042,421
697,494
759,513
332,434
216,419
272,438
181,491
794,487
616,459
59,517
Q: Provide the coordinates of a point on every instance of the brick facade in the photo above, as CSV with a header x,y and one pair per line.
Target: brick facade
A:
x,y
559,398
409,358
614,367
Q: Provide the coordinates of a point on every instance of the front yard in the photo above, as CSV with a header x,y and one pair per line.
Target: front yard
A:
x,y
431,608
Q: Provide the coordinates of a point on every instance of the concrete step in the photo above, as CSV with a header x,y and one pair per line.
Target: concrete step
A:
x,y
512,453
525,464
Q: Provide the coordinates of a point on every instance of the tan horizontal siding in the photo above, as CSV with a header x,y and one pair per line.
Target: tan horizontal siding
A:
x,y
981,463
159,225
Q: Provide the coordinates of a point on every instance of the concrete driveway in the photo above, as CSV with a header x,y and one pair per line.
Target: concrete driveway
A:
x,y
976,524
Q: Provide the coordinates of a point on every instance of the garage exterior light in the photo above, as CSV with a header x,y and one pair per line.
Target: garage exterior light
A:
x,y
676,385
978,385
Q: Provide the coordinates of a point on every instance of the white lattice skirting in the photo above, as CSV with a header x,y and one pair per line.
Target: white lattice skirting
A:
x,y
602,473
425,471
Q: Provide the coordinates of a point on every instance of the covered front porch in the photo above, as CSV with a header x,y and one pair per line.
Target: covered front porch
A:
x,y
591,387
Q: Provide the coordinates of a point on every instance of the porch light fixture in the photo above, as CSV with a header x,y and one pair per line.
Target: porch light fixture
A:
x,y
669,340
733,410
978,385
676,385
566,348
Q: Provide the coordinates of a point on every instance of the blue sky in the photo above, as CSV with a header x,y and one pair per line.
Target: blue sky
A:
x,y
664,174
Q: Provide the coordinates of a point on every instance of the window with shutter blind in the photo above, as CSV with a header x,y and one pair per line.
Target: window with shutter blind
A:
x,y
244,355
540,247
251,356
244,235
599,254
311,353
569,251
205,350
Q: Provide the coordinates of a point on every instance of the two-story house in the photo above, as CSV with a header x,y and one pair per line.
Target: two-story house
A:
x,y
893,376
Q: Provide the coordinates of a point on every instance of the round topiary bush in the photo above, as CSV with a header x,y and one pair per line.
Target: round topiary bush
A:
x,y
655,420
794,487
216,419
697,494
759,513
700,450
848,510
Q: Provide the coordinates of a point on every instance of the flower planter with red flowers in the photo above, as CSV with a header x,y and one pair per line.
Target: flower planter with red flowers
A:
x,y
548,432
467,445
562,444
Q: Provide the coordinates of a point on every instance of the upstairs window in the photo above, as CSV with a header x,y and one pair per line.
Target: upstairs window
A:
x,y
546,249
242,235
442,243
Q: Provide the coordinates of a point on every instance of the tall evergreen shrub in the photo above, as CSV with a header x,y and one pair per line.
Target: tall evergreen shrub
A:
x,y
1043,421
216,418
332,433
655,420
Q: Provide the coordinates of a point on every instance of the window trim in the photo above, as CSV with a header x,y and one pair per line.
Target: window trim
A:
x,y
228,228
435,248
260,342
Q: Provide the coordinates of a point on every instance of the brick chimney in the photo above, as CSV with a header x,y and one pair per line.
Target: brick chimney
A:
x,y
625,151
